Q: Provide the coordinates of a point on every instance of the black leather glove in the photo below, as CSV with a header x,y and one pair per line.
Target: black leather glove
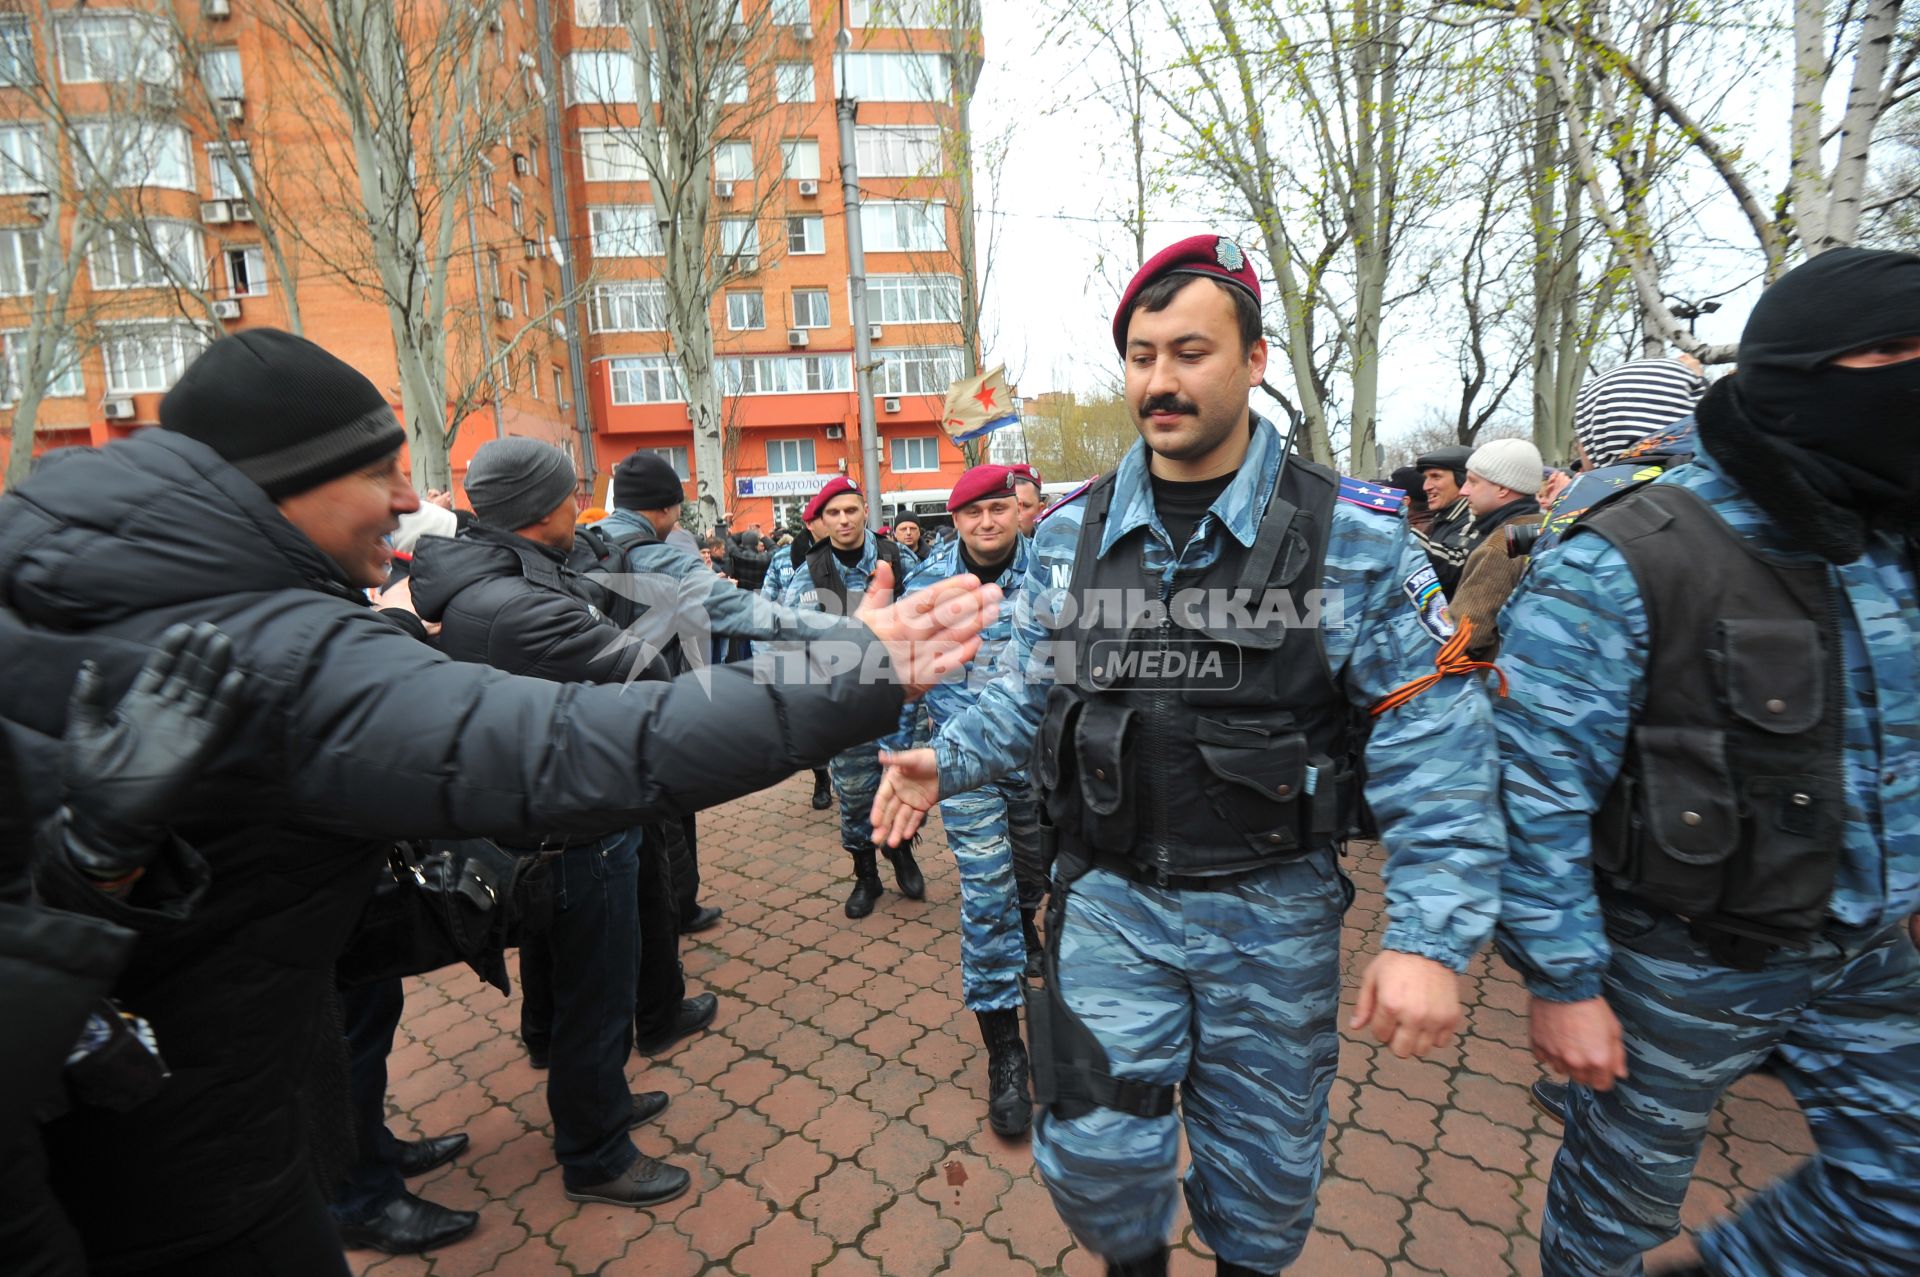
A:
x,y
125,765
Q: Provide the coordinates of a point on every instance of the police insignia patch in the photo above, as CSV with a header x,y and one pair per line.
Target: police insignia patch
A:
x,y
1228,253
1429,603
1377,497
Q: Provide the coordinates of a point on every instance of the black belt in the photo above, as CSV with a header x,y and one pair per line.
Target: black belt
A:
x,y
1147,875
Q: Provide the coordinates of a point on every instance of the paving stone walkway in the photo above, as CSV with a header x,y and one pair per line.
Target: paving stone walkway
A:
x,y
833,1118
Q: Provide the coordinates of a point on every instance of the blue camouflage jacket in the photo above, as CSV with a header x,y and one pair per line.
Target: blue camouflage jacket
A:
x,y
1574,644
948,699
1432,772
793,587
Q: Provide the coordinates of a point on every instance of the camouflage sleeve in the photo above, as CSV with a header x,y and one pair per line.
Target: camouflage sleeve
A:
x,y
1432,771
915,727
706,603
1575,652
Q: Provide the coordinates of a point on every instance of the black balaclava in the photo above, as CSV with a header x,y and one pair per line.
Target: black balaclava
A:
x,y
1828,452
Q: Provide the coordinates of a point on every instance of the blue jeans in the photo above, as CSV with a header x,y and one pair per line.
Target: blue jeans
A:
x,y
371,1013
590,953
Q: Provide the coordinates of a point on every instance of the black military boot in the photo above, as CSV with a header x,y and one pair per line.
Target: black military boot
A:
x,y
1225,1268
906,872
1009,1104
822,790
1151,1264
1036,947
866,882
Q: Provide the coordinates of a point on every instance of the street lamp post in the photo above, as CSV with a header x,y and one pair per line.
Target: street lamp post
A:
x,y
1691,311
847,107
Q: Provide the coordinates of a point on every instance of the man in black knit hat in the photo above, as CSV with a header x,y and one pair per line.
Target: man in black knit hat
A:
x,y
263,506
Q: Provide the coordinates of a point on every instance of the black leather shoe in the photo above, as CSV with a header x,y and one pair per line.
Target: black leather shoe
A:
x,y
704,918
1153,1264
695,1014
1224,1268
822,791
906,872
647,1105
407,1226
417,1157
536,1055
1550,1098
646,1183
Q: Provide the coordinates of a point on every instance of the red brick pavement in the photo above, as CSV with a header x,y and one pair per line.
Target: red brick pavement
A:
x,y
833,1119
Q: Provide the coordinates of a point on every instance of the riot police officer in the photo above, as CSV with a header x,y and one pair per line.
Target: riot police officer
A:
x,y
1712,787
1202,634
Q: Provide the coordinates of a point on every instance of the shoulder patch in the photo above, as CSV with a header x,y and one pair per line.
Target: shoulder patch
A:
x,y
1429,603
1377,497
1075,495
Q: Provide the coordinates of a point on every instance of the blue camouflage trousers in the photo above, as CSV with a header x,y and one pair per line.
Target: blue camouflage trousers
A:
x,y
982,825
856,779
1232,994
1843,1025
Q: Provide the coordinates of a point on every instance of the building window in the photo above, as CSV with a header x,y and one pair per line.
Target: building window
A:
x,y
533,156
599,13
895,77
516,208
733,84
915,14
675,457
533,374
624,230
637,379
897,151
560,386
601,76
631,306
220,72
793,81
23,159
246,272
800,158
746,311
919,453
115,47
785,374
64,380
916,370
790,456
142,358
19,260
526,298
903,226
733,162
810,308
611,155
135,153
229,170
486,185
790,13
740,241
914,299
806,235
167,254
493,275
16,51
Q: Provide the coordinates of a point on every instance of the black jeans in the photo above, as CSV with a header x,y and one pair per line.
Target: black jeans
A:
x,y
577,995
662,908
682,842
371,1013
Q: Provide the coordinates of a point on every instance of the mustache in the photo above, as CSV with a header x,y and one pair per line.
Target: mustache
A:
x,y
1167,403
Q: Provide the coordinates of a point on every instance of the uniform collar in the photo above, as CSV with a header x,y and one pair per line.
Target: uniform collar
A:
x,y
1238,508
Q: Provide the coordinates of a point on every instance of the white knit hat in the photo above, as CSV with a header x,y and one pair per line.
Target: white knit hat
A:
x,y
1511,463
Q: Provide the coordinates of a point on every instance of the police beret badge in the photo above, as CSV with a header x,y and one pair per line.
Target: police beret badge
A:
x,y
1228,254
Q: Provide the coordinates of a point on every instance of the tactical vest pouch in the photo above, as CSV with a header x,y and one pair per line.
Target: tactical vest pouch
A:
x,y
1105,755
1771,673
1053,769
1685,823
1256,773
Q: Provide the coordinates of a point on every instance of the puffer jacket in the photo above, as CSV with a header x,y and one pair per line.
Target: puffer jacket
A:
x,y
352,734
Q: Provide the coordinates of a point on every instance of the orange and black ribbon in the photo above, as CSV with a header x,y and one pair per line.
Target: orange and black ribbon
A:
x,y
1452,659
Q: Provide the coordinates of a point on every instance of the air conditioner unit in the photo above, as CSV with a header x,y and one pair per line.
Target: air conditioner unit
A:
x,y
217,10
890,404
216,212
234,109
117,409
797,337
242,211
226,308
809,186
502,308
160,95
521,165
836,432
803,31
875,332
39,205
531,247
723,190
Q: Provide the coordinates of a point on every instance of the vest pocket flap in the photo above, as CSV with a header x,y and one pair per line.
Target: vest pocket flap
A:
x,y
1690,803
1774,673
1050,743
1102,740
1274,767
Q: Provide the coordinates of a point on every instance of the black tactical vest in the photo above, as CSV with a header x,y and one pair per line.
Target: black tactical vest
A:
x,y
1191,739
1730,806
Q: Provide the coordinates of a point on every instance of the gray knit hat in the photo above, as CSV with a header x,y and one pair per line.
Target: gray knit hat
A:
x,y
1511,463
515,482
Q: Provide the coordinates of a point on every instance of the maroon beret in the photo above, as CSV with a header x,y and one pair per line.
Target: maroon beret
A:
x,y
1214,256
835,487
982,483
1025,471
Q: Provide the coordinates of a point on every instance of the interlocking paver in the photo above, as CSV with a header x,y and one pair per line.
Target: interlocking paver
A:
x,y
834,1119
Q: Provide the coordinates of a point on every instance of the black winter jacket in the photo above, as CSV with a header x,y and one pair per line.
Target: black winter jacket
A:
x,y
353,734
